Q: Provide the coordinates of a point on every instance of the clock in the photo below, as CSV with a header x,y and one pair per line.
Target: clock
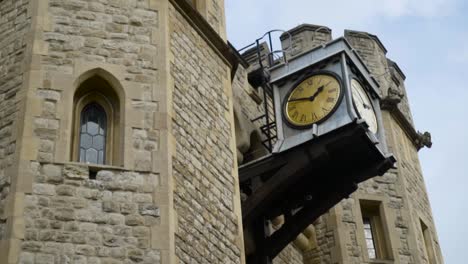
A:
x,y
363,105
312,100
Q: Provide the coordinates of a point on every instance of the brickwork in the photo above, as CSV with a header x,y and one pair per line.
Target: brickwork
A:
x,y
15,22
70,218
204,161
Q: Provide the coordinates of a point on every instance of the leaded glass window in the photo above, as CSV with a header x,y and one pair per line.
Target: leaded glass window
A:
x,y
369,236
93,128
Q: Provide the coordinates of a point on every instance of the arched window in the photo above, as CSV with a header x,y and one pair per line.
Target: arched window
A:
x,y
93,129
97,137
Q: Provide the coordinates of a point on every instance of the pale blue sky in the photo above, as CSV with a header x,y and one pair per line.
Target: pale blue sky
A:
x,y
429,41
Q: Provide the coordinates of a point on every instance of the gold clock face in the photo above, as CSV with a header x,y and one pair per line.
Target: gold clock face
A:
x,y
313,100
363,105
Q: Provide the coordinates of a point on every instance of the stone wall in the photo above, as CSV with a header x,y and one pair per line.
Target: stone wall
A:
x,y
321,254
289,255
15,23
216,17
70,218
108,35
416,195
204,165
71,42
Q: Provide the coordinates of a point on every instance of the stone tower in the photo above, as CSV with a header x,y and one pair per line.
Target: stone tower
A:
x,y
389,219
117,141
121,126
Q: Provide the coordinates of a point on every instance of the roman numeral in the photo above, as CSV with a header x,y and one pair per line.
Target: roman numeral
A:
x,y
295,114
303,118
314,117
330,100
332,90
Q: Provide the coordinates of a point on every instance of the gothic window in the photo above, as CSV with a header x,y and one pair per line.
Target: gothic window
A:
x,y
93,128
97,136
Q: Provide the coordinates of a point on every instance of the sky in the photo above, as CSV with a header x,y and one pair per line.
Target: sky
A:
x,y
429,41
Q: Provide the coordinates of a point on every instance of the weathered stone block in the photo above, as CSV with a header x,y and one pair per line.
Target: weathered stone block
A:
x,y
44,189
85,250
116,219
142,198
149,209
123,231
152,257
128,208
31,246
141,231
65,190
135,254
64,237
93,238
105,175
65,214
77,259
71,226
134,220
44,258
76,172
26,258
111,240
56,224
94,260
118,253
78,238
110,207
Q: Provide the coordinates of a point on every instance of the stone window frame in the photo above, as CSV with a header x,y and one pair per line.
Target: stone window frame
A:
x,y
96,89
428,242
374,207
81,104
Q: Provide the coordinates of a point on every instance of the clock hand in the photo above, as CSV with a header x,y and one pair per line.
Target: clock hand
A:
x,y
310,98
300,99
366,106
319,90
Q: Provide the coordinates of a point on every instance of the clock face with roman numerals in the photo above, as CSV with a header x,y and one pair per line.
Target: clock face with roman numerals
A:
x,y
313,100
363,105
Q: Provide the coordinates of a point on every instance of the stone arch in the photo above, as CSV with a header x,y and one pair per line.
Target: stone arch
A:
x,y
103,88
